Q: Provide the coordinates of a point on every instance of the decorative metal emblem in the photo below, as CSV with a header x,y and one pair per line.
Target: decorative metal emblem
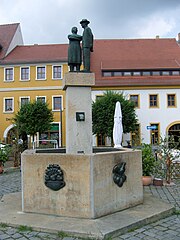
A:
x,y
118,174
54,177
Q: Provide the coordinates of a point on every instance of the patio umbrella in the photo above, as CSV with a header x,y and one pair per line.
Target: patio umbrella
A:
x,y
118,128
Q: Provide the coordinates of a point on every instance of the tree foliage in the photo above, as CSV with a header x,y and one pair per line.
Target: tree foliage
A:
x,y
103,114
33,117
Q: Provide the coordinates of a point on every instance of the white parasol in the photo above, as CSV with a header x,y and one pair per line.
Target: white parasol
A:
x,y
118,128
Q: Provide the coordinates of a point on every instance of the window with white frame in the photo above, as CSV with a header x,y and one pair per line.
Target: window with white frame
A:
x,y
41,99
24,100
9,74
25,73
56,103
9,105
41,73
57,72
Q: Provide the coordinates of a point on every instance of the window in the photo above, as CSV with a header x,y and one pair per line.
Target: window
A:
x,y
153,100
42,99
146,73
135,100
24,100
25,73
156,73
136,73
155,136
127,73
41,73
57,72
107,74
165,73
99,97
57,103
171,100
117,74
9,74
174,73
9,104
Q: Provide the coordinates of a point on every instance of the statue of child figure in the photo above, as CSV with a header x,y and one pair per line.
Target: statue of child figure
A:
x,y
74,51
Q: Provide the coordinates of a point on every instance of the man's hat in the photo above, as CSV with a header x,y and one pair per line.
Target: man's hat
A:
x,y
84,20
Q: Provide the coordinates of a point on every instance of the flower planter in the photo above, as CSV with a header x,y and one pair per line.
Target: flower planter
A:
x,y
146,180
158,182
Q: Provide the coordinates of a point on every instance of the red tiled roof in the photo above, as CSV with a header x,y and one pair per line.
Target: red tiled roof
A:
x,y
37,53
7,32
112,55
134,54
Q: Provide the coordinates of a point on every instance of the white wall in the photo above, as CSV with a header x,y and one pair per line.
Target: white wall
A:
x,y
162,115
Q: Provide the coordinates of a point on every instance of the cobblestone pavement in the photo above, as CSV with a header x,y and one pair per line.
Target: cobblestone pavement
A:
x,y
167,228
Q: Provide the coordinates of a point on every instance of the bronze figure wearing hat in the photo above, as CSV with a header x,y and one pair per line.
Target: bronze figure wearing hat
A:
x,y
87,44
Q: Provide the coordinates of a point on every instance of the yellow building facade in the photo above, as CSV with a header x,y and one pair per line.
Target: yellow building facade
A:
x,y
28,82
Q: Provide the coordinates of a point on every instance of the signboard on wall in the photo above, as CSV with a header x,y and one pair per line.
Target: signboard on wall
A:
x,y
153,127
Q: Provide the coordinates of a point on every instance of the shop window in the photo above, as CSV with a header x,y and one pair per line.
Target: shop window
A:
x,y
50,139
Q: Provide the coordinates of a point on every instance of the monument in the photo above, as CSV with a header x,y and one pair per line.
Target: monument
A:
x,y
80,183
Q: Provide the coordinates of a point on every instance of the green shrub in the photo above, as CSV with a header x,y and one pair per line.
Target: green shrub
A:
x,y
4,154
148,159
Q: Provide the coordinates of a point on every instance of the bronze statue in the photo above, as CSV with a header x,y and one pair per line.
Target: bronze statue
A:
x,y
74,50
87,44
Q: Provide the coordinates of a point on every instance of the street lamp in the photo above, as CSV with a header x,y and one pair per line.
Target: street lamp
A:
x,y
61,122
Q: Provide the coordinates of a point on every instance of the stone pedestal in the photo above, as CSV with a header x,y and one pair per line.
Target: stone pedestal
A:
x,y
78,112
89,191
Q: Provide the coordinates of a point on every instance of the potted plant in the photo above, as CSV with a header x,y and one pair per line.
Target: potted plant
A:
x,y
4,154
148,163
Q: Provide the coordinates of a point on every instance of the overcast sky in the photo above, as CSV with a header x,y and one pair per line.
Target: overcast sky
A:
x,y
50,21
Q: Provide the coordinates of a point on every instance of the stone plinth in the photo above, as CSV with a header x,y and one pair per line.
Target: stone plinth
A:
x,y
90,191
78,101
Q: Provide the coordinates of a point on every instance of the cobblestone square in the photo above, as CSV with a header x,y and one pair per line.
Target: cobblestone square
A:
x,y
168,228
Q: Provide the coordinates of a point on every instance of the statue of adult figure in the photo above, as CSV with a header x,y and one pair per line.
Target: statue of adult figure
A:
x,y
74,50
87,44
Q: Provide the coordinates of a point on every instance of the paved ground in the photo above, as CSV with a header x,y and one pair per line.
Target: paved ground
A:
x,y
168,228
